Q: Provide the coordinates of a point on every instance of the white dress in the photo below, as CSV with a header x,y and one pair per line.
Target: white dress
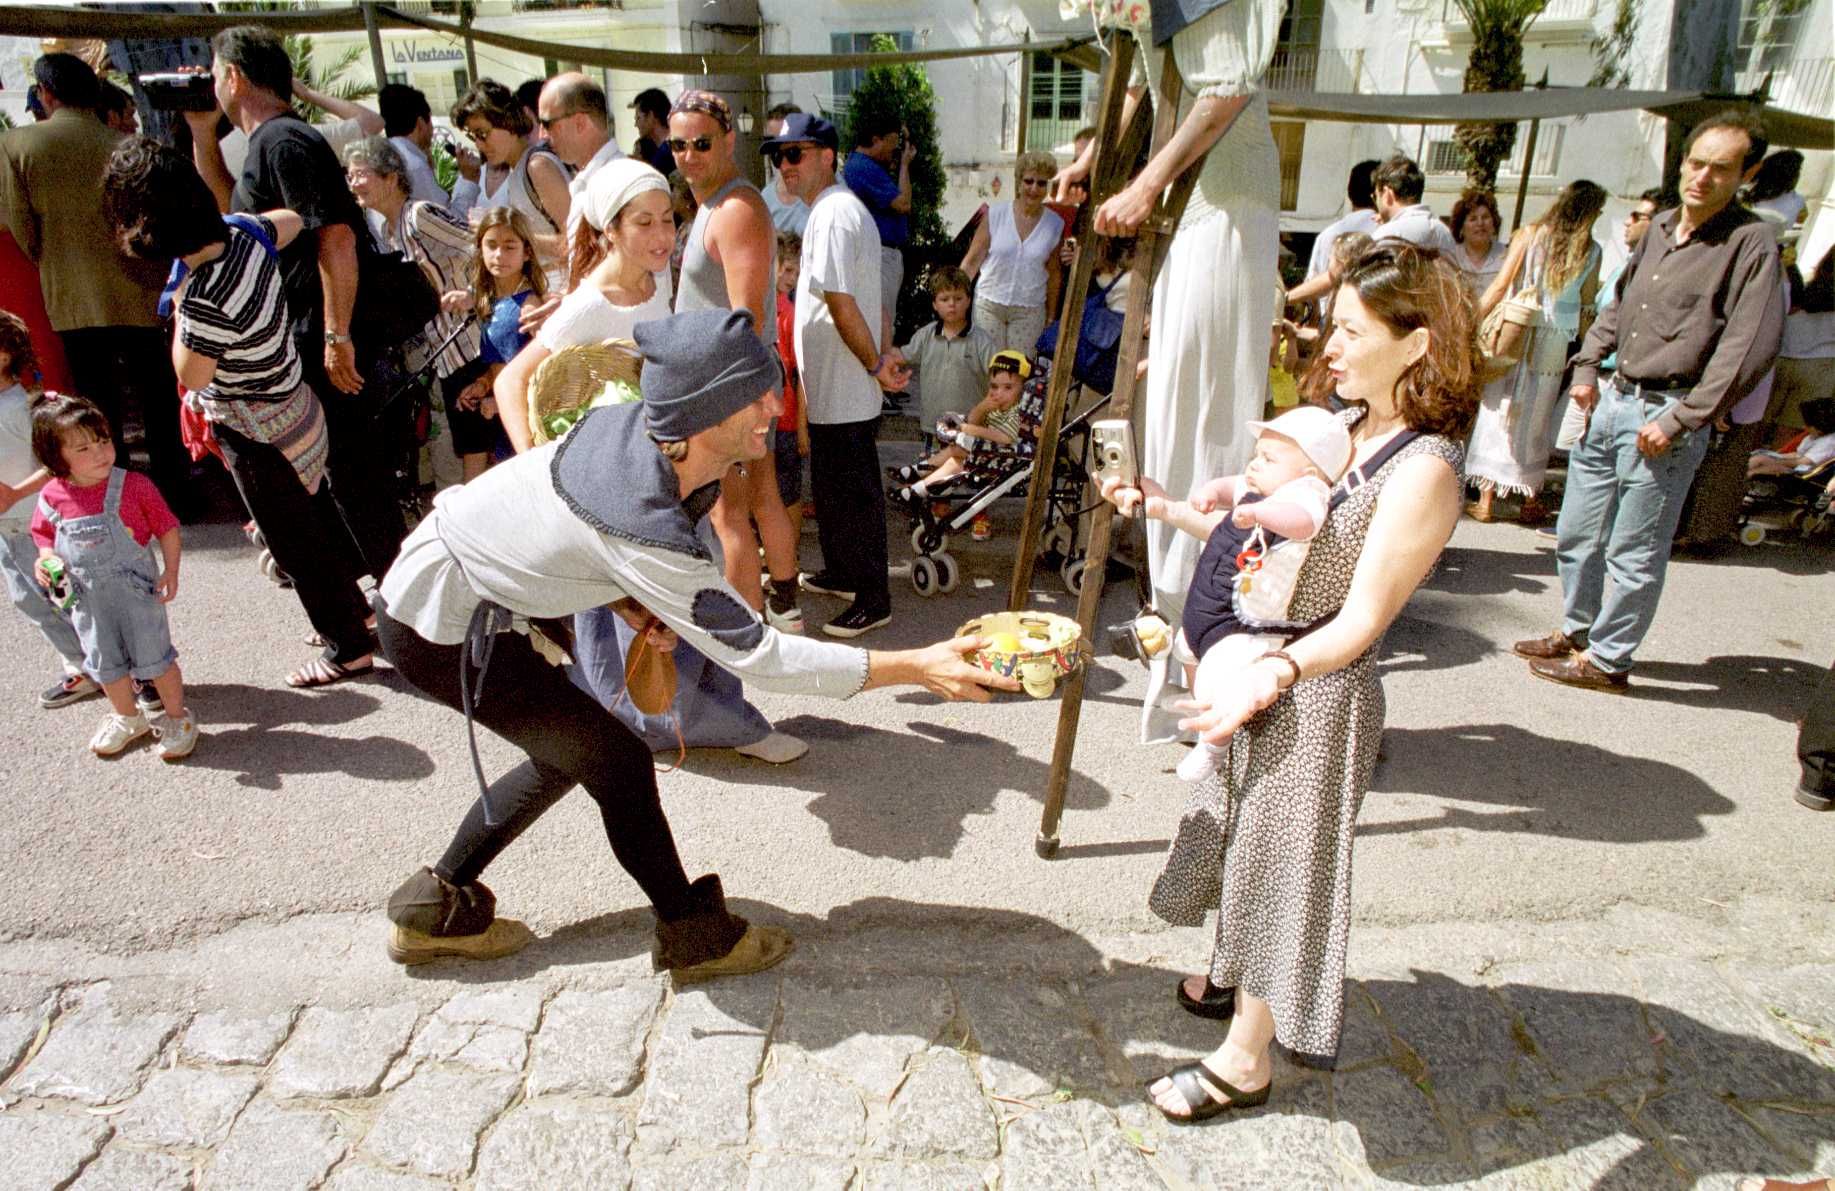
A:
x,y
1214,301
1514,430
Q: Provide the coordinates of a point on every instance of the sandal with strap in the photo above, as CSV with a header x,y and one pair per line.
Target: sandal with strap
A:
x,y
1217,1003
1193,1082
321,672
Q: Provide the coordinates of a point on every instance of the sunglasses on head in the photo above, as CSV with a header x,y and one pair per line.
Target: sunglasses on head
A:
x,y
790,153
700,144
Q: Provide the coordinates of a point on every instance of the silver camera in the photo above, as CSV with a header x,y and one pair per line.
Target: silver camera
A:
x,y
1112,441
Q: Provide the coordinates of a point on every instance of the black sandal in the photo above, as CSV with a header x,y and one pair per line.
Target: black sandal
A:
x,y
1217,1004
323,672
1189,1082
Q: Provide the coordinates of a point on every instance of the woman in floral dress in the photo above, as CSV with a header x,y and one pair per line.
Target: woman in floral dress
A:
x,y
1266,841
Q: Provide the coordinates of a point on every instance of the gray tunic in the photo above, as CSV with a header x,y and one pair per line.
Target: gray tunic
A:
x,y
509,537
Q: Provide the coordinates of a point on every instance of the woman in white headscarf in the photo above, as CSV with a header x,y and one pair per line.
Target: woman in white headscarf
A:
x,y
620,267
621,278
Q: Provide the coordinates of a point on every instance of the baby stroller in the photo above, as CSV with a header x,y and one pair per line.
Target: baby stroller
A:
x,y
1797,502
993,475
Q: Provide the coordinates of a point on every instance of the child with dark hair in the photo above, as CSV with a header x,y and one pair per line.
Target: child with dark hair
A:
x,y
22,476
94,521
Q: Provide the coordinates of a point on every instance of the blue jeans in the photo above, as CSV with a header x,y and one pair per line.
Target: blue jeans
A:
x,y
1617,521
18,559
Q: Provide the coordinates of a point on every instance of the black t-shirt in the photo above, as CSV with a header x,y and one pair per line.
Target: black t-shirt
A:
x,y
290,166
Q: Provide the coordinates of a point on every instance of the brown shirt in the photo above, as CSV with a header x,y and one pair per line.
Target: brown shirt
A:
x,y
1701,315
51,200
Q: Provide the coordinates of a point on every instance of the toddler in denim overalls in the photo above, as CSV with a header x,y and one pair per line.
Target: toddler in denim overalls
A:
x,y
120,614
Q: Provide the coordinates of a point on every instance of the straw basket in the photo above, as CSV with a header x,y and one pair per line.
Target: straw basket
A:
x,y
575,379
1043,647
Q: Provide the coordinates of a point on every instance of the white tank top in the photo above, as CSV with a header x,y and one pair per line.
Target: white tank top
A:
x,y
1014,272
515,193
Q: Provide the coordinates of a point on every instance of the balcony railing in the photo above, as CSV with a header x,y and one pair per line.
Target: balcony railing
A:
x,y
1447,156
1801,85
1557,12
1339,72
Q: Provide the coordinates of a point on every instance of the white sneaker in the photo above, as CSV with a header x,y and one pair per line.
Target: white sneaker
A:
x,y
1202,761
178,735
117,732
777,748
790,620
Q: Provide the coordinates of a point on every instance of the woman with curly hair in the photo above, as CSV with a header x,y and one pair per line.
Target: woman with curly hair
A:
x,y
1265,842
1557,261
1476,224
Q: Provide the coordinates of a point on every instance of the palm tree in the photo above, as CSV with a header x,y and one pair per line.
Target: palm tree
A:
x,y
1496,64
330,80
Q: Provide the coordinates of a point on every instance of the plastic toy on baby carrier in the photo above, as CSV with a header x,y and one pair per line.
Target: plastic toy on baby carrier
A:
x,y
991,475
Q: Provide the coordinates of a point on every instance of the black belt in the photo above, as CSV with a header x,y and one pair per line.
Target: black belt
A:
x,y
1644,392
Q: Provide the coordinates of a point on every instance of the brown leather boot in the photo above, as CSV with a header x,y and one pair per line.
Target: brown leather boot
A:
x,y
1556,645
432,918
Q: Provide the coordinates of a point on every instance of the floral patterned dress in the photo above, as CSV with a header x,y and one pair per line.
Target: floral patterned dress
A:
x,y
1215,297
1266,841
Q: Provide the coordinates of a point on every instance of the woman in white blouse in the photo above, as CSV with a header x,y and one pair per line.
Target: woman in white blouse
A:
x,y
1014,259
1481,252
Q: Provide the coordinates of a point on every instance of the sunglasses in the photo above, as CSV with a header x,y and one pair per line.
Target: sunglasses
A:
x,y
478,136
700,144
550,121
1637,216
1038,183
792,154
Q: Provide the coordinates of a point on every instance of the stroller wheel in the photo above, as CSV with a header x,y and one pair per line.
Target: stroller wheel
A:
x,y
925,540
924,578
1072,574
947,572
1751,534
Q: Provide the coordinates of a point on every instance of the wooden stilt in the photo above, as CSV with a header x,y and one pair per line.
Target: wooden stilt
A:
x,y
1152,242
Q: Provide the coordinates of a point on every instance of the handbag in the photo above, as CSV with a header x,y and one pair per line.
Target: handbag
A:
x,y
1505,333
395,301
649,675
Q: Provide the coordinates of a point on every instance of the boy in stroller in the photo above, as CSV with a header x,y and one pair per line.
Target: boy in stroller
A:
x,y
994,432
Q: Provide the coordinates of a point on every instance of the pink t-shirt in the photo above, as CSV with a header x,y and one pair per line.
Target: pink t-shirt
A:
x,y
143,509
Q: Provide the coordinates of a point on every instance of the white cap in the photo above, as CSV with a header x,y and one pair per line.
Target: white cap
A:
x,y
1320,435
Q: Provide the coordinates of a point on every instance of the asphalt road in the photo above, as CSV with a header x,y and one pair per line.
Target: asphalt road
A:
x,y
1501,797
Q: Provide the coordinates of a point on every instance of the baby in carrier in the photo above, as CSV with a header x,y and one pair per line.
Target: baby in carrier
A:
x,y
1261,525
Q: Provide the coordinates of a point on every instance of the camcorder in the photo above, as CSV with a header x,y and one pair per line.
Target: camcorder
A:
x,y
180,90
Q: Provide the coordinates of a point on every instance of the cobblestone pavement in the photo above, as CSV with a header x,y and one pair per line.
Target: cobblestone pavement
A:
x,y
1007,1052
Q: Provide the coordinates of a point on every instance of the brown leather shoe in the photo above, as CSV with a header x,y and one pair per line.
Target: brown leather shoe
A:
x,y
1579,671
1556,645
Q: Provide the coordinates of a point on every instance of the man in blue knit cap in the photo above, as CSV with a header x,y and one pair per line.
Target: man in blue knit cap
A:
x,y
609,514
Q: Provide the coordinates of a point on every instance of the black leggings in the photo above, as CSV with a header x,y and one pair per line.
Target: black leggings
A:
x,y
570,741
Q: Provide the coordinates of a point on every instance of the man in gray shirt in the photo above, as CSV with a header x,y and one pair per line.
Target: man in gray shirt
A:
x,y
1696,325
1399,186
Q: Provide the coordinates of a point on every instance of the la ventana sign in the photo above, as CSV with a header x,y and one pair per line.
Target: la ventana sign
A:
x,y
410,53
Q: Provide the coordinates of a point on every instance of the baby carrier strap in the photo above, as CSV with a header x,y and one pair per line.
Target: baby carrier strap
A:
x,y
1357,477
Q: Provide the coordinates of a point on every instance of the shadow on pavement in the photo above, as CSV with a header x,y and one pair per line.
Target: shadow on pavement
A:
x,y
1417,645
1777,687
265,752
1437,1080
1598,795
885,793
1469,570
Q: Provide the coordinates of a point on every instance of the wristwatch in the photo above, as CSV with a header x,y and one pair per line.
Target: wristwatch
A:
x,y
336,337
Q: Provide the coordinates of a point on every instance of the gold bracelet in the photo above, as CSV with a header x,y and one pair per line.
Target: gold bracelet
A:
x,y
1281,655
